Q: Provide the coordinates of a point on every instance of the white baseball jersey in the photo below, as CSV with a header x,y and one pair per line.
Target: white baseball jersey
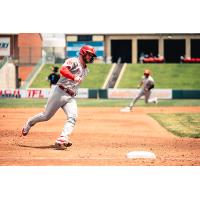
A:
x,y
147,81
75,67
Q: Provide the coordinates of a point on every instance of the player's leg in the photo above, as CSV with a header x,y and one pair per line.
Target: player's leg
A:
x,y
132,103
50,93
150,100
153,100
70,109
53,104
146,96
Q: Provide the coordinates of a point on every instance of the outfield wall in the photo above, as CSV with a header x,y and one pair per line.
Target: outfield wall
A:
x,y
102,93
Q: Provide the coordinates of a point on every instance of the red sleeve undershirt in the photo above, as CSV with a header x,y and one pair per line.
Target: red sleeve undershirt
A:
x,y
64,71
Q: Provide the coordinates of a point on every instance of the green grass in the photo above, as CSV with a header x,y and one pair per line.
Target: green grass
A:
x,y
175,76
97,76
32,103
22,103
95,79
180,124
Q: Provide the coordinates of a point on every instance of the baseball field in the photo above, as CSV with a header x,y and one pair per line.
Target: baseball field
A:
x,y
103,135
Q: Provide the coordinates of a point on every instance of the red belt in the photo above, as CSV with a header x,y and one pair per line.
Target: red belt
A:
x,y
67,90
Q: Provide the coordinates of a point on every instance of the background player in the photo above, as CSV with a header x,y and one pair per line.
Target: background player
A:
x,y
146,84
73,72
53,77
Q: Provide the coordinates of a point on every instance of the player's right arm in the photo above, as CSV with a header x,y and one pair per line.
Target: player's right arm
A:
x,y
140,83
65,71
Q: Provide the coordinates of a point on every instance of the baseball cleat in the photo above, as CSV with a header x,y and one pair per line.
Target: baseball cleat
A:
x,y
62,142
126,109
26,129
155,100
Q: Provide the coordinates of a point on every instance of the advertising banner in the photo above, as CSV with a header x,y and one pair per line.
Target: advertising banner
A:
x,y
131,93
36,93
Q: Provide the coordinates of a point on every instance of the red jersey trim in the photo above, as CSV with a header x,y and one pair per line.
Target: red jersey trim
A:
x,y
64,71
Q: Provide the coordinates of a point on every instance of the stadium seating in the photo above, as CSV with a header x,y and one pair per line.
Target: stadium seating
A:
x,y
153,60
190,60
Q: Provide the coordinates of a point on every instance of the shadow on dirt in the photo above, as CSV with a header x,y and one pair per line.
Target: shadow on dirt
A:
x,y
43,147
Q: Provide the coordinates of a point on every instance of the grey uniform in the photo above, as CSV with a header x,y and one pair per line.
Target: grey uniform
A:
x,y
63,97
144,91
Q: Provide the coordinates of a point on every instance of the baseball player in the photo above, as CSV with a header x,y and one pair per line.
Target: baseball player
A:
x,y
146,84
73,72
53,77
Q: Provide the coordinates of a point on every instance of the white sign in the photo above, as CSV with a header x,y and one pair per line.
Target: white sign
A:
x,y
131,93
5,46
83,93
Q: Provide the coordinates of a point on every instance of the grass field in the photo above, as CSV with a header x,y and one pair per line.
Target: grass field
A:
x,y
180,124
20,103
97,76
175,76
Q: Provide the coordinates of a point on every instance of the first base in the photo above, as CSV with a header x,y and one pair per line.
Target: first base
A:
x,y
140,154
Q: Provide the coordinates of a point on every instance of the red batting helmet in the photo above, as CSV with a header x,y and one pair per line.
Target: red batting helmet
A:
x,y
87,48
147,72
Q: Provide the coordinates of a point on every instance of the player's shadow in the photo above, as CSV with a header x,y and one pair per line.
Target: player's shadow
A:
x,y
42,147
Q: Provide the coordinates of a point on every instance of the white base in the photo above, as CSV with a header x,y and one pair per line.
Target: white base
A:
x,y
126,109
141,154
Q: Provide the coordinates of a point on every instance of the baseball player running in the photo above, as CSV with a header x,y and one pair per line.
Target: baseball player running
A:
x,y
146,84
73,72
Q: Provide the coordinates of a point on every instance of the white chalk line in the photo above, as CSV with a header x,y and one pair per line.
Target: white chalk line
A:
x,y
46,158
96,158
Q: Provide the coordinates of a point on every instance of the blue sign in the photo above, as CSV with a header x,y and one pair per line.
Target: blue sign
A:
x,y
74,47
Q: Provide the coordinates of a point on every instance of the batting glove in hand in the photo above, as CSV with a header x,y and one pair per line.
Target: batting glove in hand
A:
x,y
78,79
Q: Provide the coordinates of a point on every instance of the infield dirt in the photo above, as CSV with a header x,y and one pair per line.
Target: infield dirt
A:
x,y
102,137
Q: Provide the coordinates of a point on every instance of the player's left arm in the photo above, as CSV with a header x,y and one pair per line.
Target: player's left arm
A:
x,y
150,85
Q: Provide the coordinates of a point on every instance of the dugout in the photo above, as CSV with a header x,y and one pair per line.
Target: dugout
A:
x,y
121,49
195,48
147,47
173,50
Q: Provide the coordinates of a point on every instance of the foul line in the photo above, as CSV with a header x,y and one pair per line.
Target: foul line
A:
x,y
94,158
45,158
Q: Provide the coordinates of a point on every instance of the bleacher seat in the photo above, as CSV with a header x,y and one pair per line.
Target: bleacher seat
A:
x,y
153,60
190,60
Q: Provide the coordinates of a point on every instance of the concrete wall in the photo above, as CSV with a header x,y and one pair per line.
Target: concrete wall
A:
x,y
8,76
